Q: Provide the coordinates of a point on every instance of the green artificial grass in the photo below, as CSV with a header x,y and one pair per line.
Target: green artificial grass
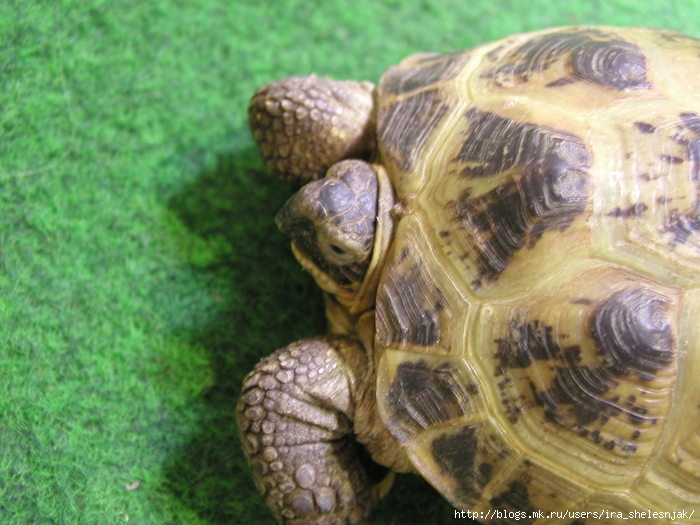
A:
x,y
141,276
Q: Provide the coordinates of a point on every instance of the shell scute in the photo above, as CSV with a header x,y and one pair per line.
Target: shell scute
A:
x,y
567,373
456,455
417,96
424,395
411,304
411,121
594,56
652,221
540,182
416,393
468,459
422,71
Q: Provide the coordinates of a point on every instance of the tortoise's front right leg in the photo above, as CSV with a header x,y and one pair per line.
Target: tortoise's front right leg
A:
x,y
296,422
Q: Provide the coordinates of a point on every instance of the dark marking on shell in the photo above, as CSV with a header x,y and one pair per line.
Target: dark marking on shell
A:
x,y
580,396
494,144
637,414
614,63
645,128
516,498
456,457
576,398
633,211
632,332
421,396
511,405
683,225
627,447
428,71
525,344
693,154
403,128
671,159
564,81
408,306
691,121
591,56
548,187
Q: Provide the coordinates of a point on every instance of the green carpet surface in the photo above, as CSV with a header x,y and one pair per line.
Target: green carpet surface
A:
x,y
141,275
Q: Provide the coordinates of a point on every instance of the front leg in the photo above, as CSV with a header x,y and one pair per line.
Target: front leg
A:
x,y
296,421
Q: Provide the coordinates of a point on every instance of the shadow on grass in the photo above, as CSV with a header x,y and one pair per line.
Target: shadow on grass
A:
x,y
264,302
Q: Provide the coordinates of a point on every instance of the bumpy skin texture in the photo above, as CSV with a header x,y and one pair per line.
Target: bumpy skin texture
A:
x,y
303,125
296,414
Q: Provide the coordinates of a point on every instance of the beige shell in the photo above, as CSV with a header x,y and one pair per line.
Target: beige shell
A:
x,y
538,320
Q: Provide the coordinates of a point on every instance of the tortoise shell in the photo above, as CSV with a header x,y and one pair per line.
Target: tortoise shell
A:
x,y
537,321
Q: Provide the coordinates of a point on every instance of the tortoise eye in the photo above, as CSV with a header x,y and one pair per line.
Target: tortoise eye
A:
x,y
338,251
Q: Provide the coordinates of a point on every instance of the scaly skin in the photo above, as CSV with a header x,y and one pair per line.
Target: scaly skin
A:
x,y
303,125
296,417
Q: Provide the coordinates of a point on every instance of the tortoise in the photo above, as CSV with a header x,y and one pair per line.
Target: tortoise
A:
x,y
508,242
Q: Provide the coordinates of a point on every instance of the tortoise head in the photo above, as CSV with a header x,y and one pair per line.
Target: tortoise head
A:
x,y
332,224
305,124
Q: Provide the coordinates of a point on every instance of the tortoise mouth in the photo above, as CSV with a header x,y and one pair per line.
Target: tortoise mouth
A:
x,y
337,279
322,278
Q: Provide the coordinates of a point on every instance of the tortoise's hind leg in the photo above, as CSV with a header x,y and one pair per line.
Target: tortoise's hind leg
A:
x,y
295,418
